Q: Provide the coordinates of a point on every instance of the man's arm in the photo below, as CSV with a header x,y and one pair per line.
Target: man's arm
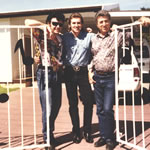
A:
x,y
32,22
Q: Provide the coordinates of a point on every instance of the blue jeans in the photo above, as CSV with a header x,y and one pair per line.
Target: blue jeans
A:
x,y
54,94
104,92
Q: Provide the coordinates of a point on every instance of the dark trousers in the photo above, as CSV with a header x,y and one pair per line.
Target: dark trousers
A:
x,y
75,80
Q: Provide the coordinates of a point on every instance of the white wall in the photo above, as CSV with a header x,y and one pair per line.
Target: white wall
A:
x,y
5,53
9,61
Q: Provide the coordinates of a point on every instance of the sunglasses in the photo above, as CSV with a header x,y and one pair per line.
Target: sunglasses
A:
x,y
57,23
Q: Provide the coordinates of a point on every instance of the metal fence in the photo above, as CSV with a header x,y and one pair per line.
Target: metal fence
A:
x,y
131,97
21,128
21,120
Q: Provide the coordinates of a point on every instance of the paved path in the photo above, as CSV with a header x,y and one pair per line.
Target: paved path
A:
x,y
63,123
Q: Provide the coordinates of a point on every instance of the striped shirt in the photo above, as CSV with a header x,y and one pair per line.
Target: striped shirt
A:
x,y
103,49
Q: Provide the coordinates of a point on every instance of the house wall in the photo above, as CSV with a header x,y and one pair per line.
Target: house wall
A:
x,y
16,34
9,61
5,52
8,39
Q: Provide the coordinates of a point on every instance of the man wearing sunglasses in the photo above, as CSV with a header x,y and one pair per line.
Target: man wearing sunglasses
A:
x,y
54,23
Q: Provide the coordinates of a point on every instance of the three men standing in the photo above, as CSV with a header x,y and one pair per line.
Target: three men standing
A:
x,y
77,47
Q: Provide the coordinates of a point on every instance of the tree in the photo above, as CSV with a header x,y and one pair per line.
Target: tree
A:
x,y
145,9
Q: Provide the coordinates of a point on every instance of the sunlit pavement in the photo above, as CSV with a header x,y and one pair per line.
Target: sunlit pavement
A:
x,y
63,124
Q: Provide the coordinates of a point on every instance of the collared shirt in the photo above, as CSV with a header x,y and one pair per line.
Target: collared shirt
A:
x,y
77,50
103,49
53,49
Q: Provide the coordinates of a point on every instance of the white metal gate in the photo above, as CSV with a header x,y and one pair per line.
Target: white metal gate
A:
x,y
21,118
132,127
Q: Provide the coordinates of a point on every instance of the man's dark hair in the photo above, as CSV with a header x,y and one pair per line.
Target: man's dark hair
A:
x,y
102,13
59,16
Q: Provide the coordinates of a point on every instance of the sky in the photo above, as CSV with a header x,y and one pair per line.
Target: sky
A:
x,y
133,4
21,5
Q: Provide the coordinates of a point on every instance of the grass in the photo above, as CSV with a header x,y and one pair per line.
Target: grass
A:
x,y
4,90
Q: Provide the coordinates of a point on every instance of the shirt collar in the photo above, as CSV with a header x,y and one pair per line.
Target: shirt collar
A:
x,y
80,34
100,35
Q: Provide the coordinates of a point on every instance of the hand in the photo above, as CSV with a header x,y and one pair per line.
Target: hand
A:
x,y
145,21
55,63
90,75
113,27
48,28
88,29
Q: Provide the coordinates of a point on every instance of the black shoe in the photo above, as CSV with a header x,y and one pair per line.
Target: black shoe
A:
x,y
50,148
109,145
76,138
87,137
53,141
100,142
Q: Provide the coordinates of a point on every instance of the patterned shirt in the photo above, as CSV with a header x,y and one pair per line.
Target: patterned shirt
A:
x,y
53,49
77,50
103,49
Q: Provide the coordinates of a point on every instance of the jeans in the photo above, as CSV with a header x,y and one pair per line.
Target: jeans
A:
x,y
54,101
104,92
73,81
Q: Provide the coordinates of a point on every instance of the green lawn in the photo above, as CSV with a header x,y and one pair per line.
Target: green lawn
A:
x,y
4,90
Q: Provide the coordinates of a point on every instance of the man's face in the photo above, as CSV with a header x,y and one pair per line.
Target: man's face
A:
x,y
76,25
55,25
103,24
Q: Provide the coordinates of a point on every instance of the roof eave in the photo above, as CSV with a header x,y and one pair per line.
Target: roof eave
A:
x,y
47,11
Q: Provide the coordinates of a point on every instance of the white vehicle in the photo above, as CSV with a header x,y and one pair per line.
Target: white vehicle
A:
x,y
129,76
145,69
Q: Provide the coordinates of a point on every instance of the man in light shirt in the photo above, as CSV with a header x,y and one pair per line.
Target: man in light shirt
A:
x,y
76,57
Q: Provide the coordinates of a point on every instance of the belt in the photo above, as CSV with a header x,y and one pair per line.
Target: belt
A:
x,y
105,73
76,68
